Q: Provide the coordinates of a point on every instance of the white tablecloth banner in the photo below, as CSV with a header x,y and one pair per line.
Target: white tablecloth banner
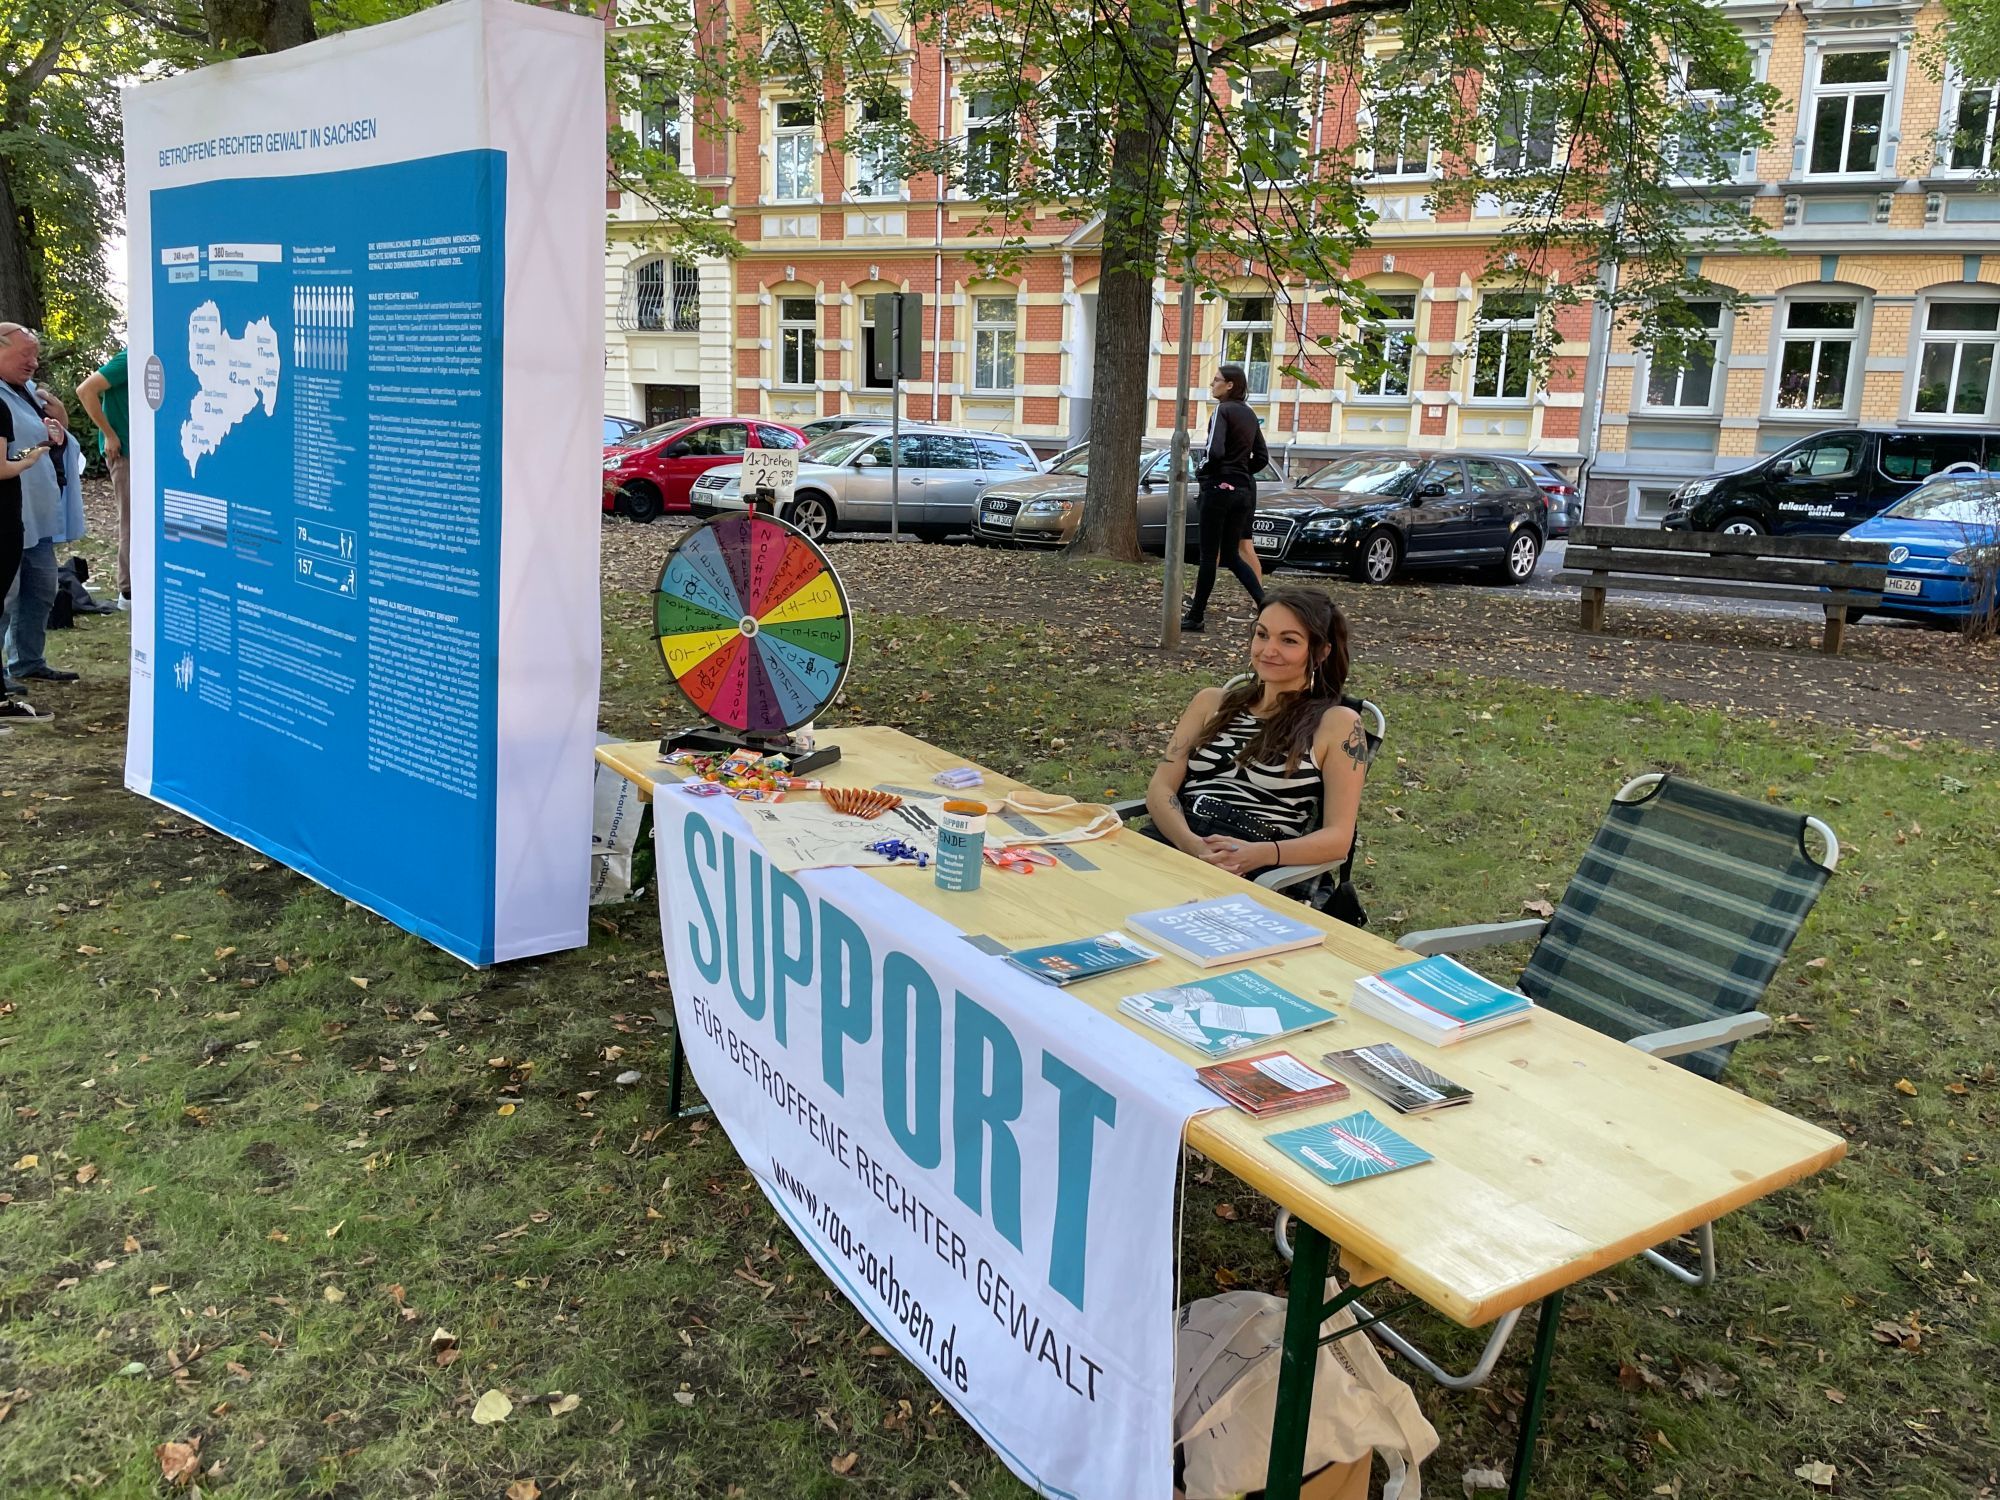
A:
x,y
984,1164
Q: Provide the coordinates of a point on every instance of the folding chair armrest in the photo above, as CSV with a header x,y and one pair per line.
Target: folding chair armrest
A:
x,y
1284,877
1471,939
1129,808
1719,1032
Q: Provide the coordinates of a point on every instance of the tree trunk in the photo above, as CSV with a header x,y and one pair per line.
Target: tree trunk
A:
x,y
1123,359
245,27
20,292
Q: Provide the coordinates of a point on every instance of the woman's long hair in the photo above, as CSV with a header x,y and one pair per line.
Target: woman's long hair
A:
x,y
1288,734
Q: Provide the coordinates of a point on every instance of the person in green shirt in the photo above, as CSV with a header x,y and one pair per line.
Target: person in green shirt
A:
x,y
104,399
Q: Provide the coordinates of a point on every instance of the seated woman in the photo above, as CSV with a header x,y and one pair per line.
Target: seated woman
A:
x,y
1269,771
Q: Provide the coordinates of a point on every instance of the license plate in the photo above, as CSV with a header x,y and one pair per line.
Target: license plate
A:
x,y
995,513
1903,586
1267,544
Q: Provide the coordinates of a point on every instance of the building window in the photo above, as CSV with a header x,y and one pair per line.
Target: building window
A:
x,y
1524,133
793,150
1401,146
1688,385
1076,156
873,158
1505,353
1382,364
1273,133
1850,107
1955,365
868,337
993,343
661,297
989,146
1816,359
1246,339
798,341
1972,128
1708,99
660,119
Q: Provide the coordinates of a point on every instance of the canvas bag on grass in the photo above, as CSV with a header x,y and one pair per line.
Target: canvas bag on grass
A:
x,y
1226,1352
621,853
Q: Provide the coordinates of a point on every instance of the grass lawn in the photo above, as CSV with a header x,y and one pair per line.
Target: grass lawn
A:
x,y
277,1178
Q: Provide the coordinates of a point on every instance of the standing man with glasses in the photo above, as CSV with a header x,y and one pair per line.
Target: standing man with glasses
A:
x,y
30,489
105,401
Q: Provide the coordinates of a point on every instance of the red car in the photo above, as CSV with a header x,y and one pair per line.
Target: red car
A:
x,y
650,472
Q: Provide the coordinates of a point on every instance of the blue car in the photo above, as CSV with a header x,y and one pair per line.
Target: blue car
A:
x,y
1944,549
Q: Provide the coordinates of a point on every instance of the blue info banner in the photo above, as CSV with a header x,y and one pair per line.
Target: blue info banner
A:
x,y
983,1164
326,484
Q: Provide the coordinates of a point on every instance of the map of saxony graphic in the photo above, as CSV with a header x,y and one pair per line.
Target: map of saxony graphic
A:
x,y
236,375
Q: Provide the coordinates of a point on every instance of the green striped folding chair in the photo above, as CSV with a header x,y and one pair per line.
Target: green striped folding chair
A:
x,y
1681,911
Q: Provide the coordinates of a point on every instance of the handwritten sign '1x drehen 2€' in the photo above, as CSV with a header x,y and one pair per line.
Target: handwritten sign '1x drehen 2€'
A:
x,y
773,469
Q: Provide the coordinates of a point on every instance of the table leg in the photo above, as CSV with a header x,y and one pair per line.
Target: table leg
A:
x,y
1538,1391
676,1081
1298,1363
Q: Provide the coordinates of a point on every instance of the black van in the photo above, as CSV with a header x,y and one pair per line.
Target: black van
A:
x,y
1827,482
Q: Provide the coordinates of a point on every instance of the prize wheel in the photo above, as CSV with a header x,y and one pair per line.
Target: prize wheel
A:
x,y
752,624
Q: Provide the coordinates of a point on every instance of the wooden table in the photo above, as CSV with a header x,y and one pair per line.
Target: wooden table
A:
x,y
1578,1152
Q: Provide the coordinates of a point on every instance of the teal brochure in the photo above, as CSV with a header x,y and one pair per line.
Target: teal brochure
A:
x,y
1349,1149
1225,1012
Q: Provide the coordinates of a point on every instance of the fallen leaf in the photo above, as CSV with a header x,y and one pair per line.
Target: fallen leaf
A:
x,y
357,980
1225,1210
846,1462
1838,1398
1898,1334
1815,1473
686,1398
28,1163
86,1173
505,1109
179,1462
565,1406
490,1408
1542,909
336,1229
1904,1086
333,1293
524,1489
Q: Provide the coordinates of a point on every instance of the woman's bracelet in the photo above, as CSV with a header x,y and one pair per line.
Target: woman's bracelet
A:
x,y
1277,854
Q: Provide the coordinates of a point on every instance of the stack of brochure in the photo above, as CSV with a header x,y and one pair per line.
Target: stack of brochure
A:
x,y
1086,958
1224,1012
1439,1000
1349,1149
1271,1083
1229,929
1390,1072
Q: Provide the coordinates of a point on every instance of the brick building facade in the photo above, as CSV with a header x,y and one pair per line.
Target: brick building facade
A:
x,y
1882,306
1885,235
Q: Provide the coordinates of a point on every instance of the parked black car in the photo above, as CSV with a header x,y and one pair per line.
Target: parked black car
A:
x,y
1827,483
1378,512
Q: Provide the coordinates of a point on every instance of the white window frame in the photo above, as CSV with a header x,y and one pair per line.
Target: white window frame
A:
x,y
1245,330
1922,336
978,126
1531,86
1388,329
676,304
1718,373
1514,331
1715,101
1888,89
798,343
1370,158
1956,88
995,341
870,179
1248,104
788,143
1783,335
1095,123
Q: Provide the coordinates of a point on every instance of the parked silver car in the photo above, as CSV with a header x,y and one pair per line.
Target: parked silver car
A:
x,y
844,480
1044,510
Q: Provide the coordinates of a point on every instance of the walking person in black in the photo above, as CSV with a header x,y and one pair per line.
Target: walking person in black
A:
x,y
1228,493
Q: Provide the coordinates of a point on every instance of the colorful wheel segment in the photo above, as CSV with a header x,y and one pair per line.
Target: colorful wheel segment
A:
x,y
752,624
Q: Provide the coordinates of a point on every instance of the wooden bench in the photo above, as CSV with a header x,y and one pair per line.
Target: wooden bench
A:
x,y
1829,572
